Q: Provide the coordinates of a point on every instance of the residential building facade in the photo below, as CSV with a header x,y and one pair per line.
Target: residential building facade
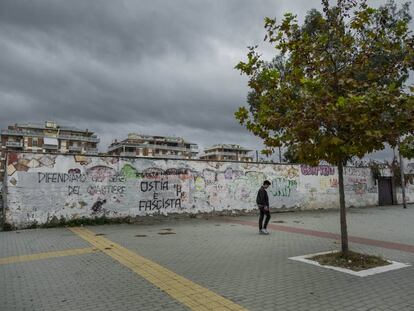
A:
x,y
226,152
47,137
137,145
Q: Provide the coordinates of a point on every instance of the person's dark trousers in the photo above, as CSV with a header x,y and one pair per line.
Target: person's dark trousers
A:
x,y
263,212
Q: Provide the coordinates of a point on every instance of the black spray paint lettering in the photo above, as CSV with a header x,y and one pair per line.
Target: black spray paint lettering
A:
x,y
97,206
150,205
155,185
60,177
73,190
156,173
107,189
117,177
178,189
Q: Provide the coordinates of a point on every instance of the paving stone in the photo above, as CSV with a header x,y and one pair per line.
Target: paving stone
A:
x,y
85,282
232,260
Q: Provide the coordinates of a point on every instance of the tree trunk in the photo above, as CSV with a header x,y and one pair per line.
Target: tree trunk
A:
x,y
344,230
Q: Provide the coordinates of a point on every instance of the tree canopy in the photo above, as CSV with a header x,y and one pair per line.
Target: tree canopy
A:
x,y
336,88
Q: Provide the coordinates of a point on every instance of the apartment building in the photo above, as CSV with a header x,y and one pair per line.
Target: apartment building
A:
x,y
47,137
226,152
138,145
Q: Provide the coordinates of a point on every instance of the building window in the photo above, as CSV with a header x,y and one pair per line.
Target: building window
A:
x,y
35,142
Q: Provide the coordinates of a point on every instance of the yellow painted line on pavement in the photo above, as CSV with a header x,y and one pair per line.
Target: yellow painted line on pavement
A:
x,y
39,256
192,295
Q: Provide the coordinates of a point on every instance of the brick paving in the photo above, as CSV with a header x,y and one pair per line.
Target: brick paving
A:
x,y
228,258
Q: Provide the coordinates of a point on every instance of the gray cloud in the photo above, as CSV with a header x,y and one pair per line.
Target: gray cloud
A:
x,y
157,67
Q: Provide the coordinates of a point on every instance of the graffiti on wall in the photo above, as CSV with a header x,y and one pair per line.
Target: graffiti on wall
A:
x,y
359,181
322,170
283,187
163,195
409,168
74,186
328,184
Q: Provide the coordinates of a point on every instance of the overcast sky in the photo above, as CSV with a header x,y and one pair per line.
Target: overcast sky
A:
x,y
156,67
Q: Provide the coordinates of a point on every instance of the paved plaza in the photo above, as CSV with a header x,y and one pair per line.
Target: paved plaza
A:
x,y
219,263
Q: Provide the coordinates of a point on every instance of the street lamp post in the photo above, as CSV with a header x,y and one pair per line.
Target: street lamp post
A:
x,y
402,177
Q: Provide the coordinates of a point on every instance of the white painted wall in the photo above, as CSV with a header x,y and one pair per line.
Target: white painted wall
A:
x,y
41,186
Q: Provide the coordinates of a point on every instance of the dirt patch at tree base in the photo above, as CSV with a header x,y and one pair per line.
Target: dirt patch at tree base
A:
x,y
352,261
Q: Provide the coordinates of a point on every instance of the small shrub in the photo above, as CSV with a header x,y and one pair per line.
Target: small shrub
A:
x,y
7,227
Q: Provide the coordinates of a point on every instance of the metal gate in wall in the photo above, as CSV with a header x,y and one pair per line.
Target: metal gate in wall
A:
x,y
385,191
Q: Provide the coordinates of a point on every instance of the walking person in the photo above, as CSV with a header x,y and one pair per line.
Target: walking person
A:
x,y
262,201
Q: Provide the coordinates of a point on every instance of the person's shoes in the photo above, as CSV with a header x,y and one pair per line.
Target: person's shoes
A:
x,y
265,231
261,231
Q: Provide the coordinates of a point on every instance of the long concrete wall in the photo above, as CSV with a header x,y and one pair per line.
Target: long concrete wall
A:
x,y
40,187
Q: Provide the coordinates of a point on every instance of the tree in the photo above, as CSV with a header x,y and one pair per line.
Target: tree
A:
x,y
342,89
407,147
290,156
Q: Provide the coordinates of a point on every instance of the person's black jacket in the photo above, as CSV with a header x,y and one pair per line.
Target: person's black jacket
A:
x,y
262,197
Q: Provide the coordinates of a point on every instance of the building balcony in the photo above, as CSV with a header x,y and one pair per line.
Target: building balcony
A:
x,y
225,156
91,151
75,148
163,156
12,133
148,146
170,156
246,160
224,153
92,139
50,147
22,133
113,147
14,144
128,154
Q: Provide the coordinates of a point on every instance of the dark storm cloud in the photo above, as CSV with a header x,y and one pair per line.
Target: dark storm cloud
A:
x,y
160,67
